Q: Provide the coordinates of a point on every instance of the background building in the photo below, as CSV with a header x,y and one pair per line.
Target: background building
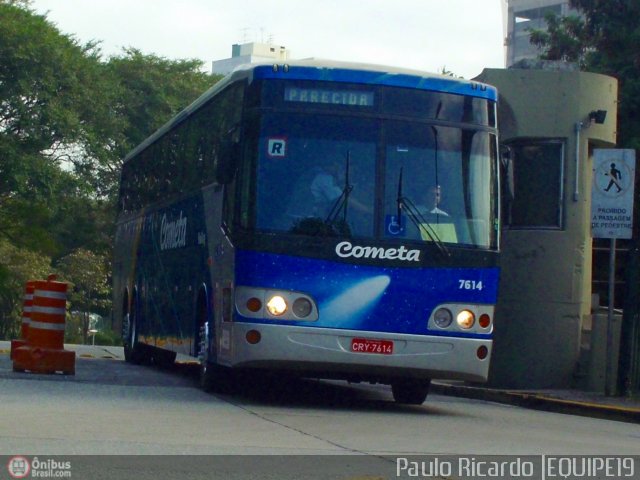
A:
x,y
249,53
521,16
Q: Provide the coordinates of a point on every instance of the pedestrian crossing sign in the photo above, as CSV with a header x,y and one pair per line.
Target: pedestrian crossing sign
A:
x,y
612,193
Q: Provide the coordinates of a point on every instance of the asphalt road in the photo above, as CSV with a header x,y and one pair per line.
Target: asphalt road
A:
x,y
113,408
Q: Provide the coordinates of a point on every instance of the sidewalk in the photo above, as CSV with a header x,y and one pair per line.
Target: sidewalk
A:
x,y
572,402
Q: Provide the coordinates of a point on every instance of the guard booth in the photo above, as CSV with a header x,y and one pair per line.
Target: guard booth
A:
x,y
551,118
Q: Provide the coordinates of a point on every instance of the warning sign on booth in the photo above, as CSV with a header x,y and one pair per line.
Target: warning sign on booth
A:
x,y
612,193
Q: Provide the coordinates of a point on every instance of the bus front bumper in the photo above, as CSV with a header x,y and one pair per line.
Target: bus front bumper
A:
x,y
328,353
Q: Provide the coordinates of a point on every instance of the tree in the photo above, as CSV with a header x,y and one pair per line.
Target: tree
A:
x,y
67,119
149,90
61,105
90,290
48,85
606,39
564,39
49,109
18,266
153,89
54,105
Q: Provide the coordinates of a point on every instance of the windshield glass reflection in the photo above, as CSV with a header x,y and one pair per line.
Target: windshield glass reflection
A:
x,y
438,185
317,176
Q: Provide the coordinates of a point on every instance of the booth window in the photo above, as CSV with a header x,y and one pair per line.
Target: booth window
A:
x,y
537,176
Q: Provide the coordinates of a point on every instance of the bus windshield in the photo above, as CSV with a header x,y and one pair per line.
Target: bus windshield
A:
x,y
327,175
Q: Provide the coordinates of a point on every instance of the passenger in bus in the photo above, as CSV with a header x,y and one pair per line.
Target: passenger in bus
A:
x,y
319,190
328,185
324,187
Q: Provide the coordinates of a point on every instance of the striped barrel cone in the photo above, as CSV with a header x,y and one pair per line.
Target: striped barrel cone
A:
x,y
48,315
44,352
26,317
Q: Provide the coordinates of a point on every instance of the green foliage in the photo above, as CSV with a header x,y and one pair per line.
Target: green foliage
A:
x,y
606,40
153,89
47,86
19,3
149,90
108,337
49,111
67,119
75,331
90,291
17,266
565,39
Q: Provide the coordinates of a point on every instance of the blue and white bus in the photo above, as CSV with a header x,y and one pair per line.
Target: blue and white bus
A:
x,y
324,219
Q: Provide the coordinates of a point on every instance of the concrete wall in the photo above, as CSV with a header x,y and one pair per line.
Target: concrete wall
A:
x,y
545,290
596,377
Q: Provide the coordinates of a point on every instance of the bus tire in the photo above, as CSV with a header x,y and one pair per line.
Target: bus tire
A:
x,y
410,392
207,374
132,349
216,379
213,378
164,359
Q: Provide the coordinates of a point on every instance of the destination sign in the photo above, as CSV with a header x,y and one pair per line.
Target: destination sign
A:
x,y
331,97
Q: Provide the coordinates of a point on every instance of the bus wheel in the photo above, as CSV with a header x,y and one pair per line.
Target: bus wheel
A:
x,y
164,358
411,392
132,349
213,378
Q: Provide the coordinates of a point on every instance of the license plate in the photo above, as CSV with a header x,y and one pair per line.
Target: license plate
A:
x,y
365,345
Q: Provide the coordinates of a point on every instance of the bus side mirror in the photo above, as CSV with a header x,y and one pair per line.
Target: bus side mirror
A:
x,y
228,160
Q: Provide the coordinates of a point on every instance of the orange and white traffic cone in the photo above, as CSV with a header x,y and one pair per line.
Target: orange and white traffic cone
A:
x,y
44,352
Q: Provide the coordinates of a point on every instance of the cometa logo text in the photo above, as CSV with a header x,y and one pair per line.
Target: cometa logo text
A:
x,y
346,249
173,234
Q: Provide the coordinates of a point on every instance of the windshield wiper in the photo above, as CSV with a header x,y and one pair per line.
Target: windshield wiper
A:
x,y
342,202
405,203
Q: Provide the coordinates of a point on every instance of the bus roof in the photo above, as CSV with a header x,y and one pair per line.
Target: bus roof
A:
x,y
335,71
368,74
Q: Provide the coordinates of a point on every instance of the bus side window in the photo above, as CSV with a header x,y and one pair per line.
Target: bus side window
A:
x,y
207,141
125,188
172,157
200,143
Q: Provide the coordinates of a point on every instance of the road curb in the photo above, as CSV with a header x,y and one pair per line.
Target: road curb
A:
x,y
538,401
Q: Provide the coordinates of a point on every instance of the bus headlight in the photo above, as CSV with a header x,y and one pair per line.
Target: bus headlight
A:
x,y
276,305
469,318
442,317
465,319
